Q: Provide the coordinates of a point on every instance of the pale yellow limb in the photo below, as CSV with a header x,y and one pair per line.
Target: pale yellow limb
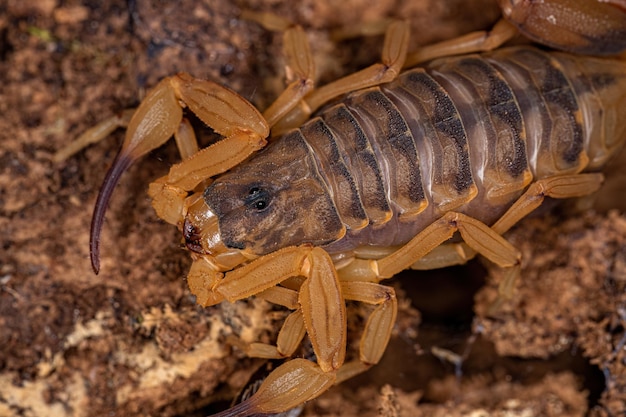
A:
x,y
215,159
380,322
379,325
230,115
168,201
320,300
393,56
362,270
299,67
370,28
445,255
263,273
185,139
94,134
442,256
566,186
288,386
479,41
487,242
324,310
289,338
154,122
350,370
506,288
475,234
300,71
269,21
158,118
478,236
321,310
219,107
262,350
201,279
291,334
281,296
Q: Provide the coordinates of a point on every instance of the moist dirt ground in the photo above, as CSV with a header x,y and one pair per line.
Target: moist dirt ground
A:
x,y
132,342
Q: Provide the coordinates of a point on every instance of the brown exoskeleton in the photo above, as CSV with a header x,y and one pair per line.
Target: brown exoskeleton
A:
x,y
343,198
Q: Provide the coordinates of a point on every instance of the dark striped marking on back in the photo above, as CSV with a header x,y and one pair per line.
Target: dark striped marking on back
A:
x,y
451,181
508,150
362,161
391,135
562,134
341,184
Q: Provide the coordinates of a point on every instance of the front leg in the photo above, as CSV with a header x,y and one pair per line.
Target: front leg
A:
x,y
287,387
320,310
159,117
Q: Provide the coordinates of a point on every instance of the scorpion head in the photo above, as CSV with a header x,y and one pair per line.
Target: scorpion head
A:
x,y
274,200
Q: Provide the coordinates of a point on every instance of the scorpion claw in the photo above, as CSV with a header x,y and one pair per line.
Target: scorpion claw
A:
x,y
291,384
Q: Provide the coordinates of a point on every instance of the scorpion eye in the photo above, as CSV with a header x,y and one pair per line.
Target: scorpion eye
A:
x,y
260,204
257,198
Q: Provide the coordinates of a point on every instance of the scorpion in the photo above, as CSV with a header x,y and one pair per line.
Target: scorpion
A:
x,y
395,166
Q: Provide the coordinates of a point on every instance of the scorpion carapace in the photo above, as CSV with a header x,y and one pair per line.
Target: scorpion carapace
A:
x,y
382,179
262,212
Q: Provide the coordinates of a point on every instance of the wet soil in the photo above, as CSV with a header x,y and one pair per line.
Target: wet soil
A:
x,y
132,342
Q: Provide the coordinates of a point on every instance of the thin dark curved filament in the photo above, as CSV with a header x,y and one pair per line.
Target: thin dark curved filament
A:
x,y
243,409
120,165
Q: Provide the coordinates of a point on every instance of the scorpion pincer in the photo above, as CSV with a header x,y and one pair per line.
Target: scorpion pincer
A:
x,y
344,197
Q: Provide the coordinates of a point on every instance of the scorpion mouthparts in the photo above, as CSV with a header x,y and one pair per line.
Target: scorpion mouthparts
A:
x,y
192,237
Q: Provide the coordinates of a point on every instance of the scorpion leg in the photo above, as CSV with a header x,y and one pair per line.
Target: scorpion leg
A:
x,y
370,28
292,331
287,387
285,297
185,139
230,115
243,127
289,338
321,312
447,254
566,186
428,249
291,334
444,255
300,68
94,134
378,327
393,57
476,235
233,117
479,41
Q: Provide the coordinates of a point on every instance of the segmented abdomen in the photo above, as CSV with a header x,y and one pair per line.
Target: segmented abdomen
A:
x,y
466,134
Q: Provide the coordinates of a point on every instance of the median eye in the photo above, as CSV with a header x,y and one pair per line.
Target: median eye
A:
x,y
258,198
260,204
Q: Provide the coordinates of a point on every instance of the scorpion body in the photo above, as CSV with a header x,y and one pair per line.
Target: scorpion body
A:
x,y
466,133
423,168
